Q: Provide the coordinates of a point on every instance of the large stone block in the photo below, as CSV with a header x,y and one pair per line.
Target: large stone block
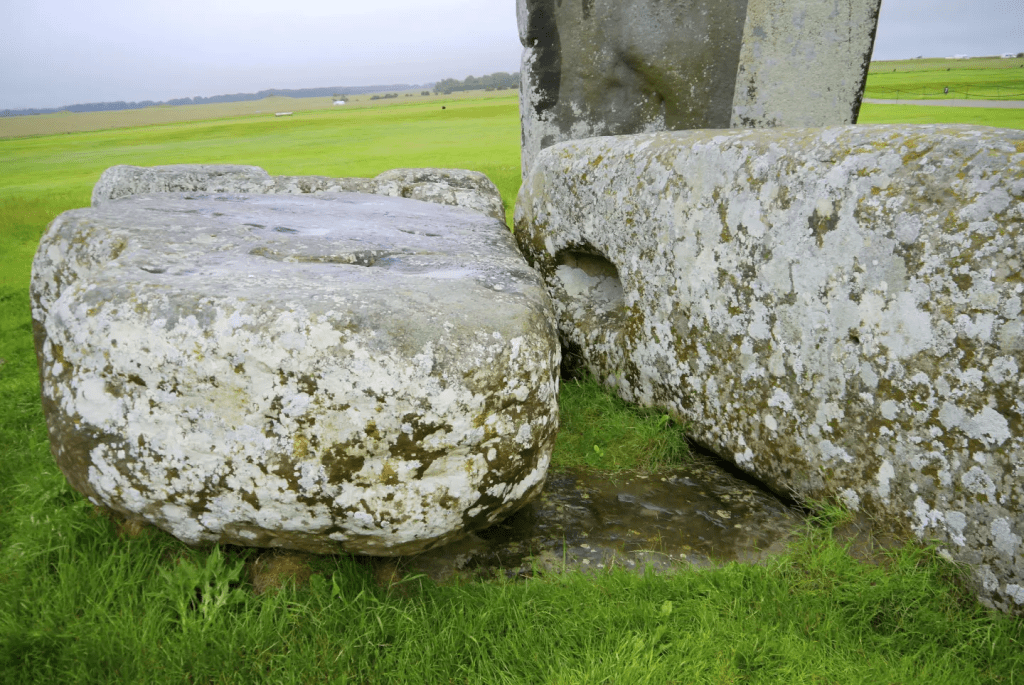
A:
x,y
614,67
455,187
837,310
350,372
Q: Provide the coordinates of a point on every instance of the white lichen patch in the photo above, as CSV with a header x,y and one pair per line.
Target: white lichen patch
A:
x,y
839,310
327,386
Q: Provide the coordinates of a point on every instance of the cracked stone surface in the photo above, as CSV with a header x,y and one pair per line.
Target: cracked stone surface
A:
x,y
349,372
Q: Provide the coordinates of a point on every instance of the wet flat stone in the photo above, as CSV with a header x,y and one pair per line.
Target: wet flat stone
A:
x,y
692,515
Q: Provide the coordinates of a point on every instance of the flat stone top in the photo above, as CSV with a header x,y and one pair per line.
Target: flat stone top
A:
x,y
378,262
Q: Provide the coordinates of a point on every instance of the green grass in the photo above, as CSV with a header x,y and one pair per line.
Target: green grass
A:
x,y
871,113
69,122
926,79
601,431
44,175
80,603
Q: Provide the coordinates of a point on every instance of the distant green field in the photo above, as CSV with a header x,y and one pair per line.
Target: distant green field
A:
x,y
76,122
42,176
982,78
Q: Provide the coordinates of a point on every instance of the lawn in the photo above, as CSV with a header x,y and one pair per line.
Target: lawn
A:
x,y
871,113
267,108
981,78
82,600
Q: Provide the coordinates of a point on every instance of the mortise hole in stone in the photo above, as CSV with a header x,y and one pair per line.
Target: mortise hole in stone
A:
x,y
590,276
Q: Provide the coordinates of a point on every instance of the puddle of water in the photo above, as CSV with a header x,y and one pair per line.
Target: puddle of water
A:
x,y
697,514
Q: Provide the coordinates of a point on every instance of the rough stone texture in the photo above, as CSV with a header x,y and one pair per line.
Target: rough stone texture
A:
x,y
837,310
455,187
350,372
613,67
803,62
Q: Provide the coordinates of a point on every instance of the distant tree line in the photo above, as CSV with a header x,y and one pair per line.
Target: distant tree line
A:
x,y
199,100
496,81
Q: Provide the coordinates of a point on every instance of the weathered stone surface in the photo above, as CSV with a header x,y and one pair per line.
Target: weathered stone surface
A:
x,y
613,67
350,372
838,310
455,187
803,62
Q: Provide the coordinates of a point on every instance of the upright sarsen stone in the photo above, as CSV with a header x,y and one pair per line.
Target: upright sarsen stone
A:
x,y
346,373
803,62
837,310
614,67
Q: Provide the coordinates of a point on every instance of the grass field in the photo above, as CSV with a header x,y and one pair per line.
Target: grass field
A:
x,y
77,122
871,113
981,78
82,601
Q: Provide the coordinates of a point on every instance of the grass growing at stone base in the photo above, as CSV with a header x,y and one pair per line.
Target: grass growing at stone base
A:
x,y
82,601
601,431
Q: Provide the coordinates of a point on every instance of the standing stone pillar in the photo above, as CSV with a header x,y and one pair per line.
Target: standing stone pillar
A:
x,y
615,67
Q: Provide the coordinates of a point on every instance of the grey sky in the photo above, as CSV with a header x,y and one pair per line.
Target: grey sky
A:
x,y
61,52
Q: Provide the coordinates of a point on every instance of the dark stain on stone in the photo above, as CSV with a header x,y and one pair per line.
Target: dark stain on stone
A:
x,y
964,281
588,9
542,35
250,498
820,225
410,447
341,464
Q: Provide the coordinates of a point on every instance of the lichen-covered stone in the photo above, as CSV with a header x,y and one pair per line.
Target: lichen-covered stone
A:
x,y
837,310
614,67
455,187
350,372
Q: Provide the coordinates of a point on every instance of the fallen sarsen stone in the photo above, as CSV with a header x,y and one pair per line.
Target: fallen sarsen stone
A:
x,y
348,372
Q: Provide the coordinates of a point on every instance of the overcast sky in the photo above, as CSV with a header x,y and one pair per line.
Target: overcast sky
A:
x,y
62,52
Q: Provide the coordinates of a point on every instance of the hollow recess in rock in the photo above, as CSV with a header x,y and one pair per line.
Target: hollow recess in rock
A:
x,y
589,274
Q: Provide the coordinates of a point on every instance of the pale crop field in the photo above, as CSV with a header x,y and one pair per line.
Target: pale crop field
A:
x,y
84,601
